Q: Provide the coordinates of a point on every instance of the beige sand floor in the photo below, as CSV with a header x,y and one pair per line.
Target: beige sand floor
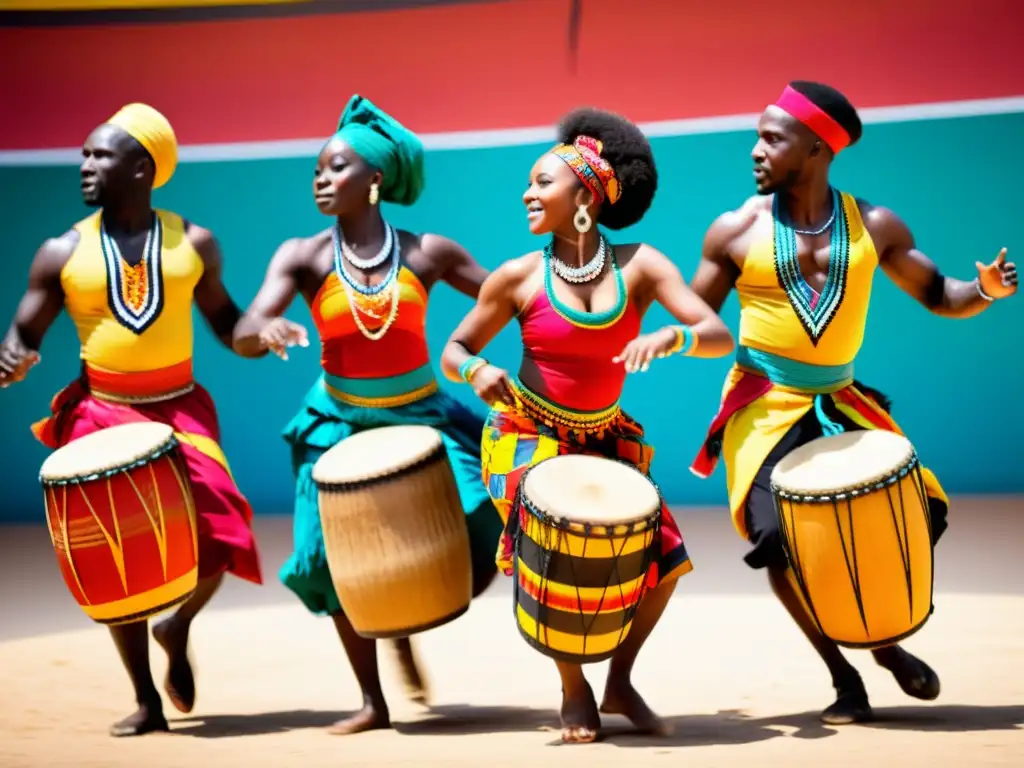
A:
x,y
726,667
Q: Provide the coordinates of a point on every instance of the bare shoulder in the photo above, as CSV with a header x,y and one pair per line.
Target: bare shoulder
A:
x,y
516,271
54,253
735,223
511,276
641,255
300,251
723,240
875,215
204,242
432,244
884,225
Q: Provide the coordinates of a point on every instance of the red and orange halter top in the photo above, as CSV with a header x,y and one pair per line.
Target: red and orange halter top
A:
x,y
373,340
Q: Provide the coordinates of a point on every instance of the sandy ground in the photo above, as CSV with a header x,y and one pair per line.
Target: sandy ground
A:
x,y
726,667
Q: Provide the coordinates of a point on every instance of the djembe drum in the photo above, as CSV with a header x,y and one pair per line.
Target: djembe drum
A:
x,y
122,521
394,531
856,528
584,547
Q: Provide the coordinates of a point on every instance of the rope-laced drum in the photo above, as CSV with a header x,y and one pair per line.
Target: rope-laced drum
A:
x,y
394,530
584,546
856,528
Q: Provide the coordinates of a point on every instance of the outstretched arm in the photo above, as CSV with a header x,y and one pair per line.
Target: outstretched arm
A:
x,y
211,295
672,292
458,268
703,334
919,277
38,308
256,332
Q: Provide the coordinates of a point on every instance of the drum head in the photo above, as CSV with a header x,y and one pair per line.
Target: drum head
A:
x,y
842,462
376,453
590,489
106,450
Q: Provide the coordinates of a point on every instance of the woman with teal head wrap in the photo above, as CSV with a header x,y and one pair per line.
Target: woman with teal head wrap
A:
x,y
388,146
366,284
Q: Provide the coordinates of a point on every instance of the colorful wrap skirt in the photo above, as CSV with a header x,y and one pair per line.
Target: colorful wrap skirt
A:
x,y
323,422
765,396
517,438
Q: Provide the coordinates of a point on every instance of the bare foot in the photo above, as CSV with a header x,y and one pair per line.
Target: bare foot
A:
x,y
408,665
179,683
623,699
369,718
851,706
914,677
144,720
580,718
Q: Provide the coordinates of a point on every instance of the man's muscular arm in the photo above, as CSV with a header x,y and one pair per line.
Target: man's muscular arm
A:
x,y
211,295
916,274
717,272
38,308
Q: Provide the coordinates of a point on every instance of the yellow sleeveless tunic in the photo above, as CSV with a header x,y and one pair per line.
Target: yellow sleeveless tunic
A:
x,y
134,323
803,343
827,330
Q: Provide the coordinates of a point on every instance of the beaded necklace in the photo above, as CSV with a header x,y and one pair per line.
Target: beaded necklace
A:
x,y
581,318
370,300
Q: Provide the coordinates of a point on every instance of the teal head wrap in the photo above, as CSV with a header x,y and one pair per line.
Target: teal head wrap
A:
x,y
386,144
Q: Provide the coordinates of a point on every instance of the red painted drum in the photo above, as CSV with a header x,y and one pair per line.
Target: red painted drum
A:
x,y
122,520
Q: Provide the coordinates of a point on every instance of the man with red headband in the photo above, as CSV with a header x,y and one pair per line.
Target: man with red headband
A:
x,y
802,256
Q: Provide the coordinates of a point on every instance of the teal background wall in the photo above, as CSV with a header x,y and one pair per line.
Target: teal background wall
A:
x,y
954,383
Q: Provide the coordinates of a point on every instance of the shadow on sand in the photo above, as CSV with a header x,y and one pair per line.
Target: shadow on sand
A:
x,y
724,728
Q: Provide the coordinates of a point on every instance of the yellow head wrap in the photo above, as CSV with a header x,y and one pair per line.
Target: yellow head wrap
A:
x,y
152,130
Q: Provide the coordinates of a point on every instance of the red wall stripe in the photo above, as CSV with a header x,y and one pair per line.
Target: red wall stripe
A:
x,y
501,65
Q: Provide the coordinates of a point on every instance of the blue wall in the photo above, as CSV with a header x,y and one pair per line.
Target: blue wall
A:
x,y
955,182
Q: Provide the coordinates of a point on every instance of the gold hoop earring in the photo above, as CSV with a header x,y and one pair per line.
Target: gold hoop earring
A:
x,y
374,193
582,220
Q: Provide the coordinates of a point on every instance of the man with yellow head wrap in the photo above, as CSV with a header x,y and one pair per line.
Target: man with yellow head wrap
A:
x,y
151,130
134,321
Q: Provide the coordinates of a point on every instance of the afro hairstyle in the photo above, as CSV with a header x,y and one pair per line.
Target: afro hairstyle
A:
x,y
834,104
629,153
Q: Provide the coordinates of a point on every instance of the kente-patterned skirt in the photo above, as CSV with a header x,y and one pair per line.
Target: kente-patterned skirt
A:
x,y
515,439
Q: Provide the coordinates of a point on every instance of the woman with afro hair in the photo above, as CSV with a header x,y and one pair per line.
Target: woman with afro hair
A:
x,y
580,302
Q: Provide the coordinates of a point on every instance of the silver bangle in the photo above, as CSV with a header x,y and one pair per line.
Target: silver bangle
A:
x,y
985,296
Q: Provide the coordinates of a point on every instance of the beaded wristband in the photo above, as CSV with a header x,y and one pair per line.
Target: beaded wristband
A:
x,y
981,292
470,367
686,341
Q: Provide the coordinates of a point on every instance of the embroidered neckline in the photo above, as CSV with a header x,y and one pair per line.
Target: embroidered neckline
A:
x,y
135,294
815,311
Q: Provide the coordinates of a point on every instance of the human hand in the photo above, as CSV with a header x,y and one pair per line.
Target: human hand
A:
x,y
280,333
998,280
492,385
638,354
15,361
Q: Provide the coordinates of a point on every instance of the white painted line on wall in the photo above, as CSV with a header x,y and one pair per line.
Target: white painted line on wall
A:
x,y
509,137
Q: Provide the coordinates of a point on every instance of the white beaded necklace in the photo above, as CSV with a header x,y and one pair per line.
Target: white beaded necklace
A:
x,y
374,261
394,287
582,274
